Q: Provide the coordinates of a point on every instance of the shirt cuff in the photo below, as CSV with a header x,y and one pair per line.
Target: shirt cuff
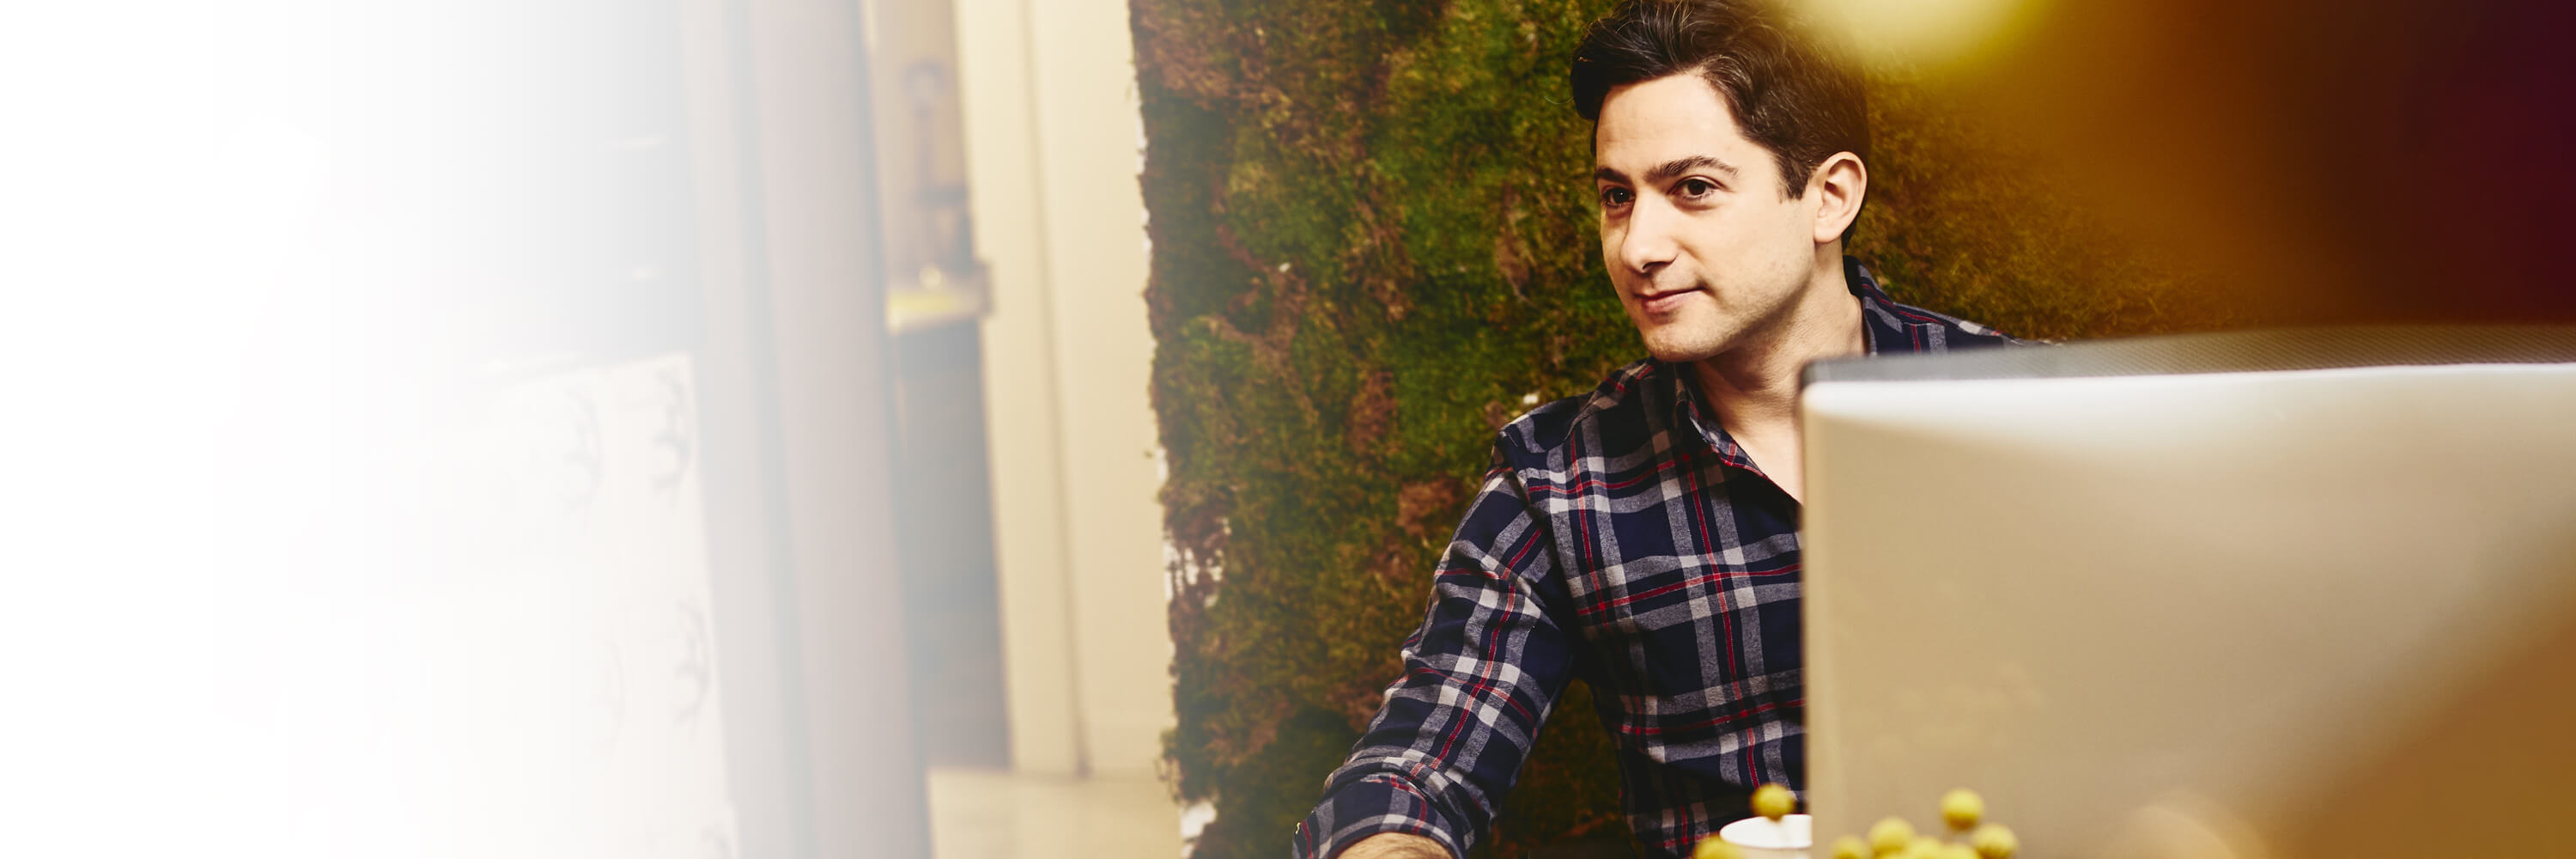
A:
x,y
1375,804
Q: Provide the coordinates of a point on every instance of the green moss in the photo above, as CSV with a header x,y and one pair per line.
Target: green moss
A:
x,y
1372,239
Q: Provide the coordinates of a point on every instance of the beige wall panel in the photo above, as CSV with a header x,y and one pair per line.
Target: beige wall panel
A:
x,y
1089,147
1023,433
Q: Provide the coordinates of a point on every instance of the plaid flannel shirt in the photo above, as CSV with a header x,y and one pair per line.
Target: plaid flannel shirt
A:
x,y
1622,537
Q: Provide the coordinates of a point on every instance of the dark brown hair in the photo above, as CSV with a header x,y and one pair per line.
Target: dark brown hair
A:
x,y
1788,93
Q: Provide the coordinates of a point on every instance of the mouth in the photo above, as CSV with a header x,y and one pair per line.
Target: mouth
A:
x,y
1663,302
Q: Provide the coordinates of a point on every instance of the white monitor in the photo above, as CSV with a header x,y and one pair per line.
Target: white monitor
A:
x,y
2238,595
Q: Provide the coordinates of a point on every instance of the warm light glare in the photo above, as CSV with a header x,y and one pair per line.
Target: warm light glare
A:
x,y
1923,32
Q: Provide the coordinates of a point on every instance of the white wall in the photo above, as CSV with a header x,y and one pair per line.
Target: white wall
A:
x,y
360,343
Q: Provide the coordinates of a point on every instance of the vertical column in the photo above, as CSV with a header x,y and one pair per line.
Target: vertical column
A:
x,y
795,315
1090,150
1021,397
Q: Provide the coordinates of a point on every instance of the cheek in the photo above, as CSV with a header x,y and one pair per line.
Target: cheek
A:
x,y
1775,239
1798,220
1728,243
1803,214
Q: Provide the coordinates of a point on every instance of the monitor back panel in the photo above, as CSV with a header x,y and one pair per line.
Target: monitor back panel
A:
x,y
2316,612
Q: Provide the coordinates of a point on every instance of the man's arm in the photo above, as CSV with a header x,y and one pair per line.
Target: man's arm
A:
x,y
1480,674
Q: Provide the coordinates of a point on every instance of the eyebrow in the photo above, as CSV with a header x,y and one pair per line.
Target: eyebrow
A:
x,y
1668,170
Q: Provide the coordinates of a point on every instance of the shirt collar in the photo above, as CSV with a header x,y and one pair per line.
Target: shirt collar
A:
x,y
1878,328
1696,428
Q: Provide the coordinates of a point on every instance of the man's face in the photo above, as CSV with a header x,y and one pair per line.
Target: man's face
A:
x,y
1705,251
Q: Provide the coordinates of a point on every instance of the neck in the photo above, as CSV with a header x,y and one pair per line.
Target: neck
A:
x,y
1756,383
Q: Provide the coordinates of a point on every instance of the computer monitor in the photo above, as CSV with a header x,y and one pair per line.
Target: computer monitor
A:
x,y
2306,593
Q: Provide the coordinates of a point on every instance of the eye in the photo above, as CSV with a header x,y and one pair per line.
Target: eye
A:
x,y
1695,188
1616,196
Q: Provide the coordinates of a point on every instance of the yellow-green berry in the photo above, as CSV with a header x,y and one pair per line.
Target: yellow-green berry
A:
x,y
1714,847
1957,851
1849,847
1889,835
1923,845
1962,809
1993,841
1774,801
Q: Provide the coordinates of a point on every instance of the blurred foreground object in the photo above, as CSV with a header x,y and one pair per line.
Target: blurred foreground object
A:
x,y
2226,595
457,429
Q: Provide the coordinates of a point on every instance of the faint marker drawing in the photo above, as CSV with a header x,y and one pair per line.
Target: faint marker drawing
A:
x,y
674,438
696,670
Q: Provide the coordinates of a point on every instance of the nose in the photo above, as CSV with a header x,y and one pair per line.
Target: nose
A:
x,y
1646,242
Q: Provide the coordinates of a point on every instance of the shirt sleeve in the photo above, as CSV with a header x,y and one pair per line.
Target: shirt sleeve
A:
x,y
1479,677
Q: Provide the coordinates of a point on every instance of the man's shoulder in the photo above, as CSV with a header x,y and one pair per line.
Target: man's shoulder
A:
x,y
1617,413
1956,333
1900,327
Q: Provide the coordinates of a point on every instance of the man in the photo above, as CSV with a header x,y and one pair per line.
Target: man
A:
x,y
1644,536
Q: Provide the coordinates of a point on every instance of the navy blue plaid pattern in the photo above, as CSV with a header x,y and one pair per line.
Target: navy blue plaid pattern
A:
x,y
1621,537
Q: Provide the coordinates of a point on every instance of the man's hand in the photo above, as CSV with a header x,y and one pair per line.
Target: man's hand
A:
x,y
1395,845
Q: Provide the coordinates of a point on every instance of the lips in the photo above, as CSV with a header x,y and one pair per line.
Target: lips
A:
x,y
1663,302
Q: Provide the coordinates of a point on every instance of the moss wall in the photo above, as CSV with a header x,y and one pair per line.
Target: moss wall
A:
x,y
1372,242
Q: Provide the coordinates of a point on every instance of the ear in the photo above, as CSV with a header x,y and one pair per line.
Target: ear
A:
x,y
1839,185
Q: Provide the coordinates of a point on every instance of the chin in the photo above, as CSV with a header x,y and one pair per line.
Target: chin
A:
x,y
1676,344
